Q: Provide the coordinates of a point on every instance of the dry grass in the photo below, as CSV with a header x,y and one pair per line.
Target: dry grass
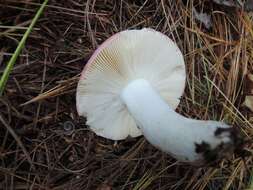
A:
x,y
38,151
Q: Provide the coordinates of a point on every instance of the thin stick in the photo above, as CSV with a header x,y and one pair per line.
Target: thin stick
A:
x,y
14,135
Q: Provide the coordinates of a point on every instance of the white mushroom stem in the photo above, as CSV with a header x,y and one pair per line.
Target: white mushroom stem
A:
x,y
165,128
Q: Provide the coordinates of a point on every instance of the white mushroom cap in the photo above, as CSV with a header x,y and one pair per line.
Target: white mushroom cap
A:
x,y
124,57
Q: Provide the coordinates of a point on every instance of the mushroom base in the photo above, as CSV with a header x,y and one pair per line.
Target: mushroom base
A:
x,y
185,139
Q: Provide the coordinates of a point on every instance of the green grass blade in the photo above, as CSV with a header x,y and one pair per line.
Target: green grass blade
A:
x,y
21,44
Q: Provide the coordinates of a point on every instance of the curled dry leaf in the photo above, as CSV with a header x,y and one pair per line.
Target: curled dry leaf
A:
x,y
248,102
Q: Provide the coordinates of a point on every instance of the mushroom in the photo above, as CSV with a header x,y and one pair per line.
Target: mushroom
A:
x,y
131,86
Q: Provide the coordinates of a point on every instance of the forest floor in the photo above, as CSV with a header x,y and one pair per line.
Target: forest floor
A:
x,y
44,144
